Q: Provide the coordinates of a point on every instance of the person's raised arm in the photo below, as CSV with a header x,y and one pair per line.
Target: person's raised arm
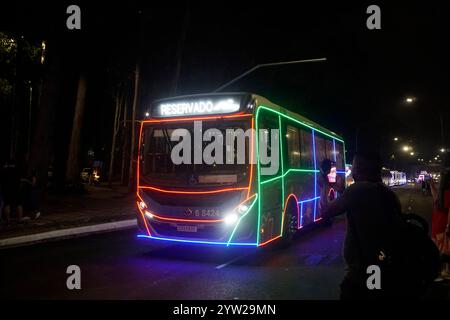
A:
x,y
335,207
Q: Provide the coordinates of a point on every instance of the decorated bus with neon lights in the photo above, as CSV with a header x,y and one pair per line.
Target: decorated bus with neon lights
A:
x,y
228,202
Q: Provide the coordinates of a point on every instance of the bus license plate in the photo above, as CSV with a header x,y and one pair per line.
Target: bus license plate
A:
x,y
187,228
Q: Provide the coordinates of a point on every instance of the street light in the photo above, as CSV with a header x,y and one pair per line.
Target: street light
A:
x,y
406,148
443,150
395,139
411,153
410,100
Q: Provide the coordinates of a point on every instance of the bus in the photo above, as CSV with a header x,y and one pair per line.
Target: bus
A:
x,y
232,203
393,178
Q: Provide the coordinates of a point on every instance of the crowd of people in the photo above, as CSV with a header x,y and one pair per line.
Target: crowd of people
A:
x,y
19,196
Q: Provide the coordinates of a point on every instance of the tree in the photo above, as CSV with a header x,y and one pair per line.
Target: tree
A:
x,y
45,113
124,144
133,125
73,161
116,127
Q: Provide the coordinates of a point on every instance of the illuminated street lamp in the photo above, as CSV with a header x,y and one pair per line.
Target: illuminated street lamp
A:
x,y
442,150
406,148
411,153
410,100
395,139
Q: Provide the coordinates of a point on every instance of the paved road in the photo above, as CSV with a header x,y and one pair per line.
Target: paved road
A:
x,y
119,266
413,200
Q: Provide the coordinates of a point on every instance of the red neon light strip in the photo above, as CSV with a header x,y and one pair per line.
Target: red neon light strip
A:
x,y
198,118
143,218
268,241
138,155
193,192
137,175
251,160
185,220
284,210
140,198
197,220
329,192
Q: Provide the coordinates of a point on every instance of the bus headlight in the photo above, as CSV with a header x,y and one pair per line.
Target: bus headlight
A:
x,y
242,209
231,218
142,205
148,214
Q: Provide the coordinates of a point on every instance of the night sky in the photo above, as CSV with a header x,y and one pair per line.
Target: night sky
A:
x,y
361,88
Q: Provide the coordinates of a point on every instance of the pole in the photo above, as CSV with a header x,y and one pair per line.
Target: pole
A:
x,y
273,64
29,122
441,120
133,127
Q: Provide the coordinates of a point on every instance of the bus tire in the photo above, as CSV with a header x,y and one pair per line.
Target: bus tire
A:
x,y
290,226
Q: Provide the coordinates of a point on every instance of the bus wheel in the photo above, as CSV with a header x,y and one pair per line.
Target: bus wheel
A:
x,y
290,226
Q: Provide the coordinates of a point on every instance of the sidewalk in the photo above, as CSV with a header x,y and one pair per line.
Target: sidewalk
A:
x,y
100,209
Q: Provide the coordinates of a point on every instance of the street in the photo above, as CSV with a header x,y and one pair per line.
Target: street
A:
x,y
117,265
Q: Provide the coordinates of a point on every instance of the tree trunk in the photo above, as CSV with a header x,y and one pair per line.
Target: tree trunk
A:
x,y
132,176
73,161
49,93
124,142
114,135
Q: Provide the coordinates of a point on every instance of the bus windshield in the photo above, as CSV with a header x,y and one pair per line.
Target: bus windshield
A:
x,y
157,167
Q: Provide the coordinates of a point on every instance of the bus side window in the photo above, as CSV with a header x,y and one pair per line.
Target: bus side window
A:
x,y
293,146
268,123
306,153
320,150
340,156
329,149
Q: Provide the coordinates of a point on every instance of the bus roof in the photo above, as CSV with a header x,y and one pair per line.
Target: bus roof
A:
x,y
267,103
259,101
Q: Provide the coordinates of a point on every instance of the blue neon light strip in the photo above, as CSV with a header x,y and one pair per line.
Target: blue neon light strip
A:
x,y
315,168
197,241
301,214
301,208
309,200
340,172
334,150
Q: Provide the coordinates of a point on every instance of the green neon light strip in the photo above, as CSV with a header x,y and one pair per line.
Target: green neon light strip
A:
x,y
345,160
289,171
259,178
239,221
298,121
282,173
261,107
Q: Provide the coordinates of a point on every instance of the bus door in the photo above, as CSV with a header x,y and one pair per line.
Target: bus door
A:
x,y
270,175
